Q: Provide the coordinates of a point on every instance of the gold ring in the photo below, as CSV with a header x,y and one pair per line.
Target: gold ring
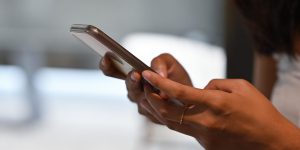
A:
x,y
183,113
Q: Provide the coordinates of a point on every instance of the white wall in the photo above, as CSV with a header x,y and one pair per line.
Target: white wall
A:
x,y
19,19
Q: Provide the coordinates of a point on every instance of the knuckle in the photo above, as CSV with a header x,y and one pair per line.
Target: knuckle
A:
x,y
161,57
155,60
131,97
242,82
107,72
179,92
166,55
215,126
219,104
141,110
213,81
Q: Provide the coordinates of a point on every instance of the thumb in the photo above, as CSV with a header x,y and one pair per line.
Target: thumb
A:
x,y
160,66
162,70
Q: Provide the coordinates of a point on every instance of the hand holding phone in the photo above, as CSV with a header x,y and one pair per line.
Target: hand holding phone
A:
x,y
125,62
103,44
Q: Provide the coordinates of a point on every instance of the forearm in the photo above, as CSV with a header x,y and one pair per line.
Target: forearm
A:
x,y
265,74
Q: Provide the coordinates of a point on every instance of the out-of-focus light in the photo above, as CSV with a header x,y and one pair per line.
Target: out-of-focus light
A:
x,y
55,81
12,79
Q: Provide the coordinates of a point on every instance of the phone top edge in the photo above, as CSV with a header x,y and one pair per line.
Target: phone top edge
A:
x,y
79,28
106,40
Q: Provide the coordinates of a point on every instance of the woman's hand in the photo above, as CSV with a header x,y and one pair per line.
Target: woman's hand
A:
x,y
227,114
165,64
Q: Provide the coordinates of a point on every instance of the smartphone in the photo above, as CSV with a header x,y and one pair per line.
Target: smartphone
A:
x,y
103,44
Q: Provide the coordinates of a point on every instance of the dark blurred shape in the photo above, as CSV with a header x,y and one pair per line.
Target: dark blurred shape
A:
x,y
237,45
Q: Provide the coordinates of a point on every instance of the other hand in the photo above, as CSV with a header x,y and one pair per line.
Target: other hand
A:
x,y
228,114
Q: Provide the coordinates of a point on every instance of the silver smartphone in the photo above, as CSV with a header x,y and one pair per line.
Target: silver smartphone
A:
x,y
102,44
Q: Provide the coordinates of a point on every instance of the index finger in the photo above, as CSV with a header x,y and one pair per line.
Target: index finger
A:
x,y
183,93
109,68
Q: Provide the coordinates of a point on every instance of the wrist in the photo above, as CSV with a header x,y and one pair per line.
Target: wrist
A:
x,y
288,139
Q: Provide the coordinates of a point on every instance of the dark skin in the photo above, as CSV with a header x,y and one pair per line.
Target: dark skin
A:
x,y
165,64
227,114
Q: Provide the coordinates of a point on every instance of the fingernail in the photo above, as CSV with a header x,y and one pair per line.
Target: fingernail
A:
x,y
103,62
164,96
161,74
147,75
159,70
133,77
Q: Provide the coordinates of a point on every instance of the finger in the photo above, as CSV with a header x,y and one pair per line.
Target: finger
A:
x,y
160,67
220,84
148,112
109,69
145,112
185,94
166,110
152,119
173,115
160,64
134,86
182,119
227,85
182,128
203,120
188,115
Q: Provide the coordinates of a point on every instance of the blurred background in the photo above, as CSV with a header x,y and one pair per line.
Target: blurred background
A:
x,y
52,95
